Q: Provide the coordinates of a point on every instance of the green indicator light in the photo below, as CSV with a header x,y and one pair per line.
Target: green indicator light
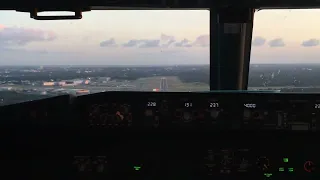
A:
x,y
285,160
290,169
137,168
281,169
268,174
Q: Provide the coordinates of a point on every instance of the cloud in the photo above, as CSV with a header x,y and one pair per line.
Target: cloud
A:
x,y
166,40
258,41
108,43
149,43
23,36
277,43
310,43
143,43
203,41
131,43
169,43
183,43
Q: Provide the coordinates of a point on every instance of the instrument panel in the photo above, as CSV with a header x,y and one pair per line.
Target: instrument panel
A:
x,y
181,155
154,135
110,115
232,111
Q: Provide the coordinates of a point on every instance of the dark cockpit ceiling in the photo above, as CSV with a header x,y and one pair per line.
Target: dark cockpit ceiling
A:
x,y
86,5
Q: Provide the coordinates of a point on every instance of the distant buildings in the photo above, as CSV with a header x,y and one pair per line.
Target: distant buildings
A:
x,y
103,79
48,83
67,83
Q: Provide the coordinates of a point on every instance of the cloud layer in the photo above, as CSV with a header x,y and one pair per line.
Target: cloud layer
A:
x,y
17,36
310,43
279,42
108,43
201,41
163,41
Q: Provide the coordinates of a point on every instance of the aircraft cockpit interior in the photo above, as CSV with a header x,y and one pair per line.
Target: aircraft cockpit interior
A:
x,y
232,117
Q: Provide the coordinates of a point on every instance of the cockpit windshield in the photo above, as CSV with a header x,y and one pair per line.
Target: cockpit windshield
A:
x,y
285,51
123,50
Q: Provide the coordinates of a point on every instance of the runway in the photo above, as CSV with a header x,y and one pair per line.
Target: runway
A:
x,y
163,84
